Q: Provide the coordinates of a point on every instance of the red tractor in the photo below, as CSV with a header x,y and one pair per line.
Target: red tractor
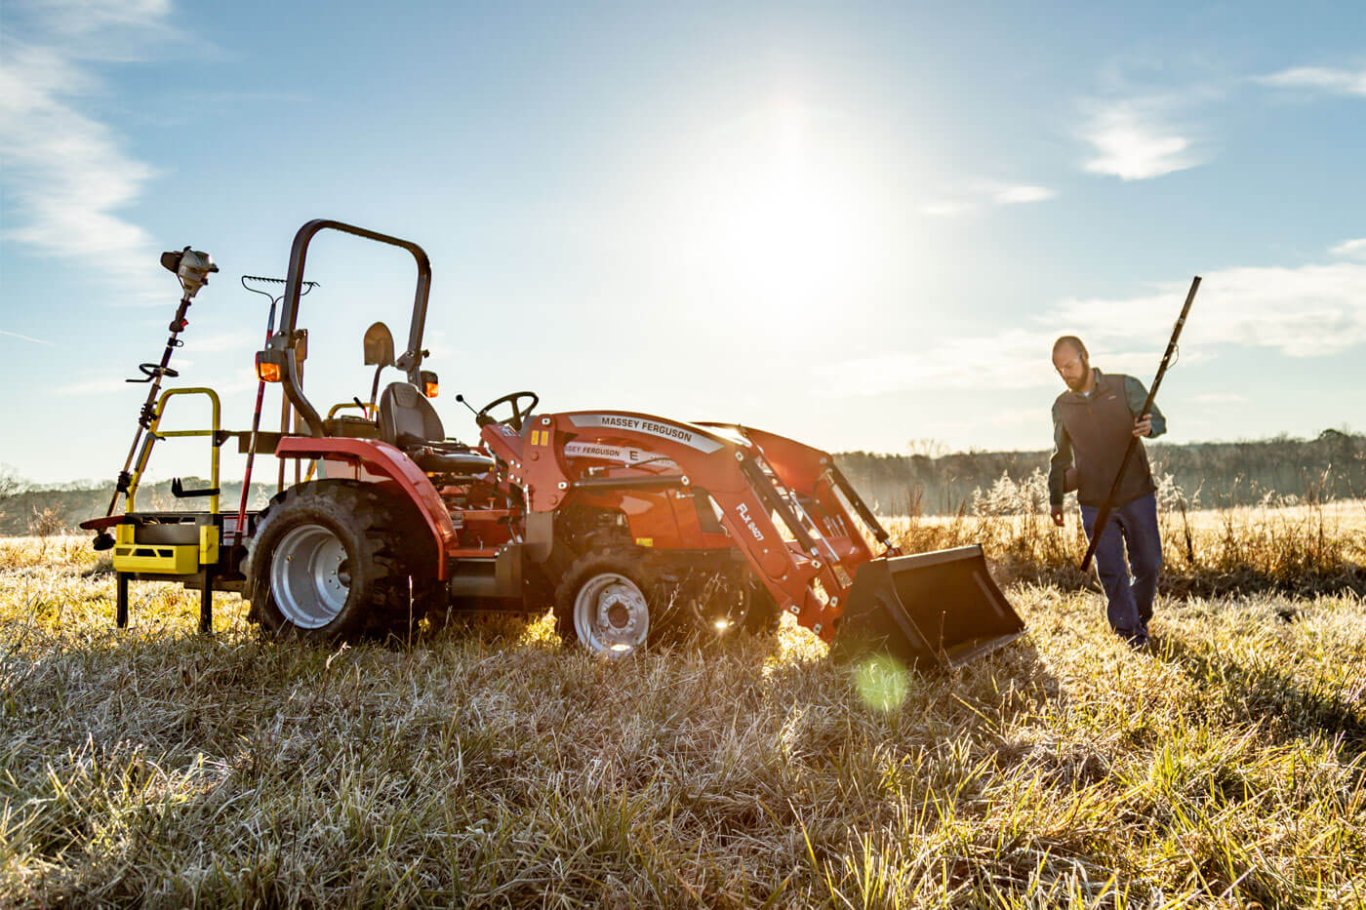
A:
x,y
636,529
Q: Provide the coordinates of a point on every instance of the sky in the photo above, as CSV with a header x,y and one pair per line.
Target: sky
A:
x,y
857,224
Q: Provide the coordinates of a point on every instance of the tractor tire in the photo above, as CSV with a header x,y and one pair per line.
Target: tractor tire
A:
x,y
325,563
712,607
764,617
606,602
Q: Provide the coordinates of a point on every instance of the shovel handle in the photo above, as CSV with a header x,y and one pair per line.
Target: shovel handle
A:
x,y
1103,516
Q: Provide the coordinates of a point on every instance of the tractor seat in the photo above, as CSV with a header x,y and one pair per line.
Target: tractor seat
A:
x,y
408,420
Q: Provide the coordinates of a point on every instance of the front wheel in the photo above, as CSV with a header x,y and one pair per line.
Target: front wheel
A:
x,y
324,563
605,602
712,605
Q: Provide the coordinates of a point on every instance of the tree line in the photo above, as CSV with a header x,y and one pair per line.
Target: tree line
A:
x,y
1204,474
1207,474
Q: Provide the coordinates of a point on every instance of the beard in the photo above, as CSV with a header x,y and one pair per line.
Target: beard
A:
x,y
1081,381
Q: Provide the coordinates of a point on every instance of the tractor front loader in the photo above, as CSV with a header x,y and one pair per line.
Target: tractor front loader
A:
x,y
634,529
663,498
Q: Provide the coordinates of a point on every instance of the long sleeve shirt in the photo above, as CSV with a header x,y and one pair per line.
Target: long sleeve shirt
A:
x,y
1092,431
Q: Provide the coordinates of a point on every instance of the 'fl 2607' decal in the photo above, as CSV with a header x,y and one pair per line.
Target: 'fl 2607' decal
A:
x,y
742,510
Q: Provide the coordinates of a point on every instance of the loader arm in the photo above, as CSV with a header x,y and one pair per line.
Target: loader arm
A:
x,y
807,570
930,609
802,528
812,475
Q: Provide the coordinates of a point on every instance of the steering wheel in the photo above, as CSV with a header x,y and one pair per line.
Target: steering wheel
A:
x,y
519,413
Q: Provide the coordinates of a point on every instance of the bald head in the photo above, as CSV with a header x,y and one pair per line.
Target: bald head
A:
x,y
1069,341
1072,363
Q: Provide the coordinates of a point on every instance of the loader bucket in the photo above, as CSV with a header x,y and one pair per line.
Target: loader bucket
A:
x,y
937,609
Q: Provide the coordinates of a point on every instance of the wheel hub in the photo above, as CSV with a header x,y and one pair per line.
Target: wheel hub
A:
x,y
310,576
618,616
611,615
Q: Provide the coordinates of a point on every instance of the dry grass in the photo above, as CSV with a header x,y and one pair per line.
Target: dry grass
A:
x,y
1302,549
159,768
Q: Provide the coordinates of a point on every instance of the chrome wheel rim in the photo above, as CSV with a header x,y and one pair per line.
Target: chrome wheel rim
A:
x,y
309,577
611,615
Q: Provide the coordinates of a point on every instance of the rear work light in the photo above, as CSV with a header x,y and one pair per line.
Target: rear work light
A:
x,y
430,386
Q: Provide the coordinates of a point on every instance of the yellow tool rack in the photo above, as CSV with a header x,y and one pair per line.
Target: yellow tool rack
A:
x,y
172,546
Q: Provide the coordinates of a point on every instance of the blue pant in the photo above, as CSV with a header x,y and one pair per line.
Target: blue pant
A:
x,y
1134,525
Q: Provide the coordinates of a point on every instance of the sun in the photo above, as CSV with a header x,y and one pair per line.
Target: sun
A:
x,y
778,219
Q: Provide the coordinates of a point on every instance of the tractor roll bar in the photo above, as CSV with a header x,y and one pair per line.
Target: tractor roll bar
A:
x,y
283,342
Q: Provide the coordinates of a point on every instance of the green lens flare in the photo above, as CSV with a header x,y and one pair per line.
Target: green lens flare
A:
x,y
882,683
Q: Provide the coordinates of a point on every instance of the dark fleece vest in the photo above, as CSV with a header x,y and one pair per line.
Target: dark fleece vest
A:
x,y
1100,427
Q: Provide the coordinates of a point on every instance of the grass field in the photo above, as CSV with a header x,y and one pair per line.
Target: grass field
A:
x,y
1224,769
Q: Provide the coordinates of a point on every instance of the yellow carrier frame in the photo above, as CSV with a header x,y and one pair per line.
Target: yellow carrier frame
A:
x,y
166,546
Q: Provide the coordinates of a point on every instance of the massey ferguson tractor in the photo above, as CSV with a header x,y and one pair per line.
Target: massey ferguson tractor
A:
x,y
634,529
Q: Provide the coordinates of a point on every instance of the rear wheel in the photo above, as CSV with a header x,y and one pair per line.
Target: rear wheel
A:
x,y
310,575
325,563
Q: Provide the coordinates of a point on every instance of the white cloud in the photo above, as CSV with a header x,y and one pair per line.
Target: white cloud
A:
x,y
1351,249
221,341
84,388
1218,398
1297,312
1334,81
84,16
1015,195
982,193
1132,141
1018,417
66,172
105,30
1010,358
946,208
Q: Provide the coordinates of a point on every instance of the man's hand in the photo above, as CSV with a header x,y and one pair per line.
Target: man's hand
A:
x,y
1055,512
1143,426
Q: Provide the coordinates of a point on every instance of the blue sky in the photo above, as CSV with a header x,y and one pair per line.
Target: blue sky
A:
x,y
857,224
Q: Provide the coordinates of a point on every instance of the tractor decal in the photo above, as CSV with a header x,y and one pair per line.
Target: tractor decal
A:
x,y
649,427
623,454
742,510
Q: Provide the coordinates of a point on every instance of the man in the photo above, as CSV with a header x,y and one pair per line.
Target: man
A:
x,y
1092,423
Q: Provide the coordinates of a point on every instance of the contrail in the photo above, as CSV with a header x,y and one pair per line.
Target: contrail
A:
x,y
26,338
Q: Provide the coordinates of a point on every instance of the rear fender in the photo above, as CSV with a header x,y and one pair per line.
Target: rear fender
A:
x,y
378,462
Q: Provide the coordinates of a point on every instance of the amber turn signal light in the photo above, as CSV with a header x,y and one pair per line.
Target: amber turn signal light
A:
x,y
267,372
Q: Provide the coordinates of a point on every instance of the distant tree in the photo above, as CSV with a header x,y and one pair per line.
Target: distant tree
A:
x,y
42,524
928,448
10,487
